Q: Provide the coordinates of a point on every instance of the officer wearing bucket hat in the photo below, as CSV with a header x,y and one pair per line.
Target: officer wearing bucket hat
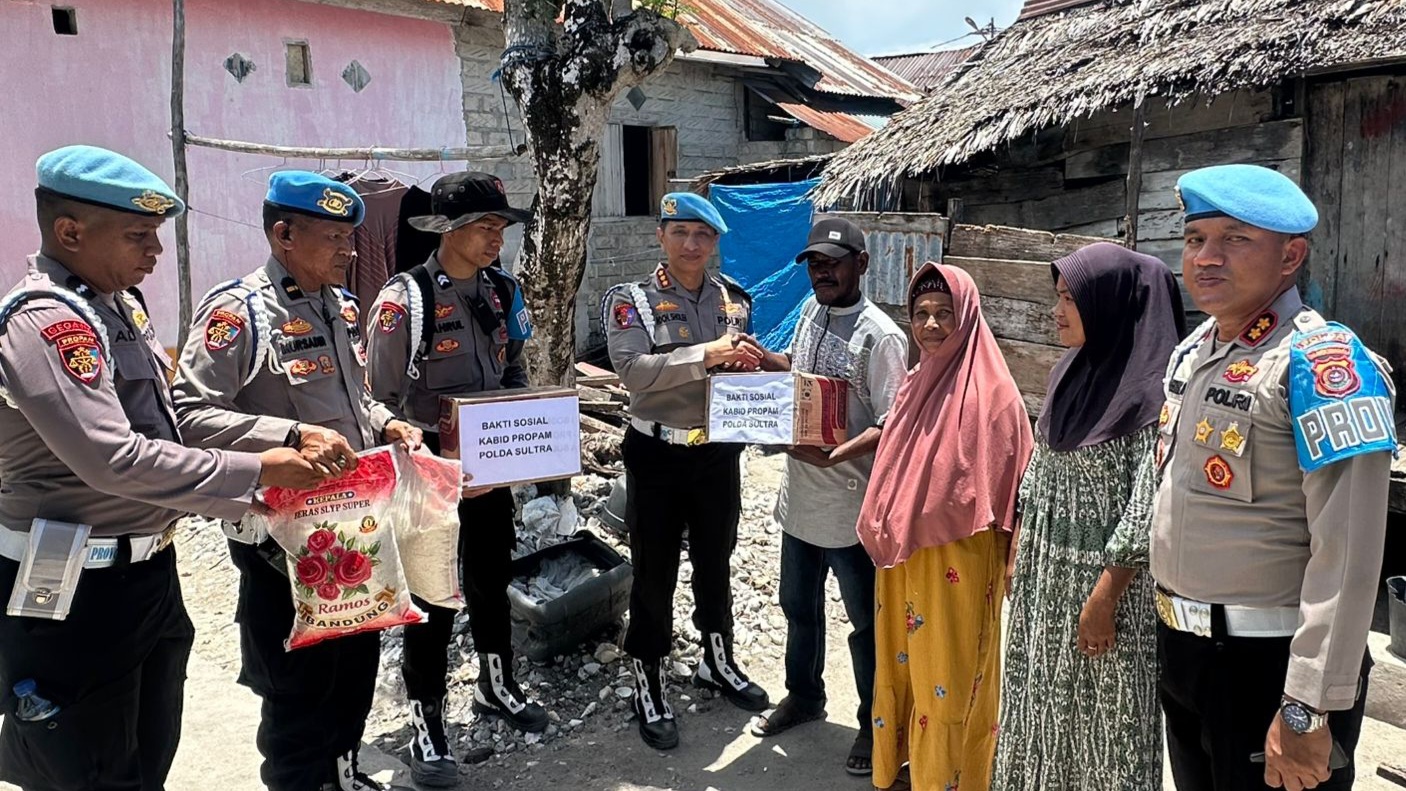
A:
x,y
665,334
1267,528
95,478
273,359
456,324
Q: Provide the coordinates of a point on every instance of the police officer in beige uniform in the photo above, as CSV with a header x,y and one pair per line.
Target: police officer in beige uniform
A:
x,y
456,324
93,471
665,334
1269,520
275,359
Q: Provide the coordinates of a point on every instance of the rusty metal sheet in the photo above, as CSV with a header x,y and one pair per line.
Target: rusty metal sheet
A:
x,y
898,243
927,69
1034,8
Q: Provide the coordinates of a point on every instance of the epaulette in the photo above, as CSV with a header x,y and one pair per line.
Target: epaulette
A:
x,y
735,286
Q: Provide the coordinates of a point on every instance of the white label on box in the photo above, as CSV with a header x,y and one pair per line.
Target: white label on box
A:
x,y
529,439
756,409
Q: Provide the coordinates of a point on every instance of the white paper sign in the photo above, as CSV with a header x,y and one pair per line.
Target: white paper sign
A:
x,y
530,439
756,409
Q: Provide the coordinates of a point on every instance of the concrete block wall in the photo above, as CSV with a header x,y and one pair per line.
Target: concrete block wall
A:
x,y
702,100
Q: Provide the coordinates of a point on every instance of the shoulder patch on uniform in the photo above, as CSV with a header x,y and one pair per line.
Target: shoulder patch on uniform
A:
x,y
77,345
222,329
389,317
349,314
1339,398
625,315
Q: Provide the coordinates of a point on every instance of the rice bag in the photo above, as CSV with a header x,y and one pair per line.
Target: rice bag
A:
x,y
429,539
343,562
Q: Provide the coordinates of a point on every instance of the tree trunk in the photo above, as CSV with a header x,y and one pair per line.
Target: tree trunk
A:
x,y
565,78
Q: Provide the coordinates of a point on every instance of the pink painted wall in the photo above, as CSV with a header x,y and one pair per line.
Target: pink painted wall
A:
x,y
110,86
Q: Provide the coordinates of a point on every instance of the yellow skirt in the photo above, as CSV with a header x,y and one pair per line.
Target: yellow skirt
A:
x,y
938,680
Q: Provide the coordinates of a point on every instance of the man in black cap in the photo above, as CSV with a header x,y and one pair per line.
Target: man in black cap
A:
x,y
453,325
840,334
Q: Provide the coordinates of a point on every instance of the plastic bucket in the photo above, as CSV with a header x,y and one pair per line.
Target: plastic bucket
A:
x,y
1396,608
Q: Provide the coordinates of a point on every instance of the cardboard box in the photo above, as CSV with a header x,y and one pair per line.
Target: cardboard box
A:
x,y
778,409
505,437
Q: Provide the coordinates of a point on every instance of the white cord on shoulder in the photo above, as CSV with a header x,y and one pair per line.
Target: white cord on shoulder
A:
x,y
642,308
414,300
1188,343
263,336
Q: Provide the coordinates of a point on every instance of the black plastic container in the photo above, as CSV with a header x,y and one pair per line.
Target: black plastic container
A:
x,y
542,631
1396,611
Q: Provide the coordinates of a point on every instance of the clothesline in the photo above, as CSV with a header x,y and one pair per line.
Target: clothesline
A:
x,y
372,153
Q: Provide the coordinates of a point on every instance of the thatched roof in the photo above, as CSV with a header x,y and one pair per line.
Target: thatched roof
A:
x,y
1058,67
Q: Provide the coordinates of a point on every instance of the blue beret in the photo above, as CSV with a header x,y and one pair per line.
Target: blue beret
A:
x,y
93,175
1251,194
315,195
691,206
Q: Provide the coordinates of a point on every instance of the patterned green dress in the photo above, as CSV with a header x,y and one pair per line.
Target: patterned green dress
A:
x,y
1068,722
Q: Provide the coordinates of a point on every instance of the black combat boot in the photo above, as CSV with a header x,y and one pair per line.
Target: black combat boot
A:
x,y
718,671
657,726
432,763
351,778
497,693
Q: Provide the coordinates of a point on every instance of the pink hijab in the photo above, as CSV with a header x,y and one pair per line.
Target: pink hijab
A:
x,y
955,444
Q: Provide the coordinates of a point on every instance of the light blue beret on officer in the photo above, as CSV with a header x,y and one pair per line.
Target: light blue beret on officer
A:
x,y
690,206
314,195
1251,194
99,177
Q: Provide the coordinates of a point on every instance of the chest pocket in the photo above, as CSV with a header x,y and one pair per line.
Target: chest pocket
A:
x,y
316,388
450,363
673,330
132,360
1221,442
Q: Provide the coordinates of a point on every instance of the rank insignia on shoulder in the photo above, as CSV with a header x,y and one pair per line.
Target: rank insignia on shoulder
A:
x,y
1232,440
1218,472
78,348
388,318
1204,429
442,280
1339,399
222,329
349,314
661,274
298,326
1260,328
290,287
1240,371
625,316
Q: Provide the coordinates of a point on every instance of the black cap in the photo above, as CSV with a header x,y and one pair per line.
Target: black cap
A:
x,y
835,237
460,198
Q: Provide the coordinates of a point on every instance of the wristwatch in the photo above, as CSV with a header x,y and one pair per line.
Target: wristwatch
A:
x,y
295,436
1300,718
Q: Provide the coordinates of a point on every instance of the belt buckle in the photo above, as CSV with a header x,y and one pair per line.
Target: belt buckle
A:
x,y
168,537
1166,610
696,436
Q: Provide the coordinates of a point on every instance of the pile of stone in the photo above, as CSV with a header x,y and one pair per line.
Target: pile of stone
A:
x,y
591,686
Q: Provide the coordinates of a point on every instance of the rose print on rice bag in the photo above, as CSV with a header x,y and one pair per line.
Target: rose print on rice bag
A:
x,y
343,563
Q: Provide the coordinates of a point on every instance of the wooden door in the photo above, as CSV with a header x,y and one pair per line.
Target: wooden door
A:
x,y
1356,174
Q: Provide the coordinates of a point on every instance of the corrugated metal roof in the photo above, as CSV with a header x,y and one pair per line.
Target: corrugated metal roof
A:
x,y
841,126
767,29
926,70
1034,8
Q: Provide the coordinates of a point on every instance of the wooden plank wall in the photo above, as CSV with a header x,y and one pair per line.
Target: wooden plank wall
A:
x,y
1073,179
1356,174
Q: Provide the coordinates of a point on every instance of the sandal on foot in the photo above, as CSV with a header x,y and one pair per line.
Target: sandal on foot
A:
x,y
787,715
860,761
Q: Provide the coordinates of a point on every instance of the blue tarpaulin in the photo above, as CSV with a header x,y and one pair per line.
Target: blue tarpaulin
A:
x,y
767,226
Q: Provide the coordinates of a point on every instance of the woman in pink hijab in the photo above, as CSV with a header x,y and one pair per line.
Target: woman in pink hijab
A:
x,y
937,521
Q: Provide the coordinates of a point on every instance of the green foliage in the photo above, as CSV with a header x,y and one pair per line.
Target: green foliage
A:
x,y
669,9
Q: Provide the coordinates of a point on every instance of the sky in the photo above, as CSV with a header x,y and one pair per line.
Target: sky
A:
x,y
885,27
